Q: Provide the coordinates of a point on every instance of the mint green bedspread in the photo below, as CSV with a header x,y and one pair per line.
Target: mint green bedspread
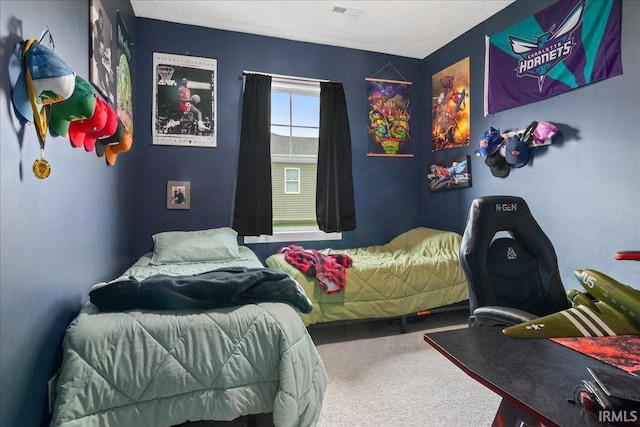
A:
x,y
418,270
163,368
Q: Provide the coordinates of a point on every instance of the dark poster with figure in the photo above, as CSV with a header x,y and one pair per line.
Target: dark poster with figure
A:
x,y
100,67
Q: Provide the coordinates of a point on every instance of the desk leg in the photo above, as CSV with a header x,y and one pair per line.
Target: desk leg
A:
x,y
510,416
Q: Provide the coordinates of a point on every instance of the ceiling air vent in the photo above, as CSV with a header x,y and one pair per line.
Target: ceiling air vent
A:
x,y
351,11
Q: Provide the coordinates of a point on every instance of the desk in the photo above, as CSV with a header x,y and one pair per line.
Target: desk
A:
x,y
533,376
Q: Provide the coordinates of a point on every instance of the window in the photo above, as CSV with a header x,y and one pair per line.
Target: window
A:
x,y
291,180
295,120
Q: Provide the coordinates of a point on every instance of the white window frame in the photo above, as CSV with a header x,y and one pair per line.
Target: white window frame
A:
x,y
300,86
288,181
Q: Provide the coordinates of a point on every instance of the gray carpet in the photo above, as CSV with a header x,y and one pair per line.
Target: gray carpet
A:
x,y
380,377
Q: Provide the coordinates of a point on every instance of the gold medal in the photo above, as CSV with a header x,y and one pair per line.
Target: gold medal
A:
x,y
41,168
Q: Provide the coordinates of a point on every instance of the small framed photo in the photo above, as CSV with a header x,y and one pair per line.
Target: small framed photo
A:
x,y
178,195
449,174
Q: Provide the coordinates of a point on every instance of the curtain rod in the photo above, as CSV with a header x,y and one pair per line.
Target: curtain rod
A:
x,y
282,76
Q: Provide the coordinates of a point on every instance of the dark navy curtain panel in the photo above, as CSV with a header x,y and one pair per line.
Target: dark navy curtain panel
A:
x,y
335,206
253,213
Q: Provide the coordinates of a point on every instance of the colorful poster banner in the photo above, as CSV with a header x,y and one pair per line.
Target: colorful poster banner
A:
x,y
450,107
389,109
565,46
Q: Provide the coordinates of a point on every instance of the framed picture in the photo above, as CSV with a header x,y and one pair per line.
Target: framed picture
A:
x,y
124,88
454,173
178,195
100,67
450,107
184,97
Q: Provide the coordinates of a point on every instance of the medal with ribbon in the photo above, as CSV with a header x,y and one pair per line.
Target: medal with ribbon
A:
x,y
41,167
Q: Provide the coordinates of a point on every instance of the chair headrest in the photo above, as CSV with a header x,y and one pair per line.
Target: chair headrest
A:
x,y
501,213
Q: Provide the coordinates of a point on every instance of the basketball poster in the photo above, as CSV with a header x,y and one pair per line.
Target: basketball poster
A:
x,y
184,94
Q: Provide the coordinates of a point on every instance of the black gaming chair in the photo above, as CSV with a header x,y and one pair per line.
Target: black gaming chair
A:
x,y
511,279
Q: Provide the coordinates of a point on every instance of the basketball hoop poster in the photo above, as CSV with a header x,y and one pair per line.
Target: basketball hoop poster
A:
x,y
184,96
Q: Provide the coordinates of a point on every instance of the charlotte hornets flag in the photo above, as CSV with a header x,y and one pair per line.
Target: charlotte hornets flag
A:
x,y
565,46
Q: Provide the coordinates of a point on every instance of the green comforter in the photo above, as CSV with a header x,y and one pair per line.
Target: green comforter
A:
x,y
162,368
416,271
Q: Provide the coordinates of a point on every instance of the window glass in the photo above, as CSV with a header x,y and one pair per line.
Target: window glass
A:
x,y
294,155
295,120
305,111
291,174
280,109
292,181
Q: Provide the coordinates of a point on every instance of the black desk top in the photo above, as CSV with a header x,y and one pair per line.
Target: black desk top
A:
x,y
537,376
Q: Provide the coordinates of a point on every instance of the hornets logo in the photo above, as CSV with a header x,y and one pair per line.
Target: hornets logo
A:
x,y
546,51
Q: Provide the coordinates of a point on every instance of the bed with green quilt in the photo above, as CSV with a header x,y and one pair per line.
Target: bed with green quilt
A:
x,y
196,330
415,272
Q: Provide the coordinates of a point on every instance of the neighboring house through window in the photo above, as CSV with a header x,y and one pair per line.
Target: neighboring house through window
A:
x,y
291,180
295,119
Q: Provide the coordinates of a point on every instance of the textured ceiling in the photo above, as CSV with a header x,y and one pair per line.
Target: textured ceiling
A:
x,y
413,29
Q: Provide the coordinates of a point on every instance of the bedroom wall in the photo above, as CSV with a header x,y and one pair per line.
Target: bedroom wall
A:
x,y
59,236
584,190
588,211
388,190
87,222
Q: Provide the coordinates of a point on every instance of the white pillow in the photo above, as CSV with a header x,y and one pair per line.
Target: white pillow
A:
x,y
195,246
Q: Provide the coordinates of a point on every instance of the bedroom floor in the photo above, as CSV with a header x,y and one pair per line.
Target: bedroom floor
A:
x,y
380,377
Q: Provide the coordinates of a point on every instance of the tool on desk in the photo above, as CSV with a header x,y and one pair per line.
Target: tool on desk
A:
x,y
610,394
617,384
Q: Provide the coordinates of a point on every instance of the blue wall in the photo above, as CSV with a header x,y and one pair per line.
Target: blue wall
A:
x,y
58,236
588,211
388,191
585,189
88,222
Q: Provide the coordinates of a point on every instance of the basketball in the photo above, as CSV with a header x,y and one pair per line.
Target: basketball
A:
x,y
195,98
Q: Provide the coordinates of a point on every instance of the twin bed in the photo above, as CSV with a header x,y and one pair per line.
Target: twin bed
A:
x,y
199,329
417,271
151,367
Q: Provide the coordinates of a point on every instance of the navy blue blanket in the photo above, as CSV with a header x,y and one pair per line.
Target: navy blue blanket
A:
x,y
225,287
